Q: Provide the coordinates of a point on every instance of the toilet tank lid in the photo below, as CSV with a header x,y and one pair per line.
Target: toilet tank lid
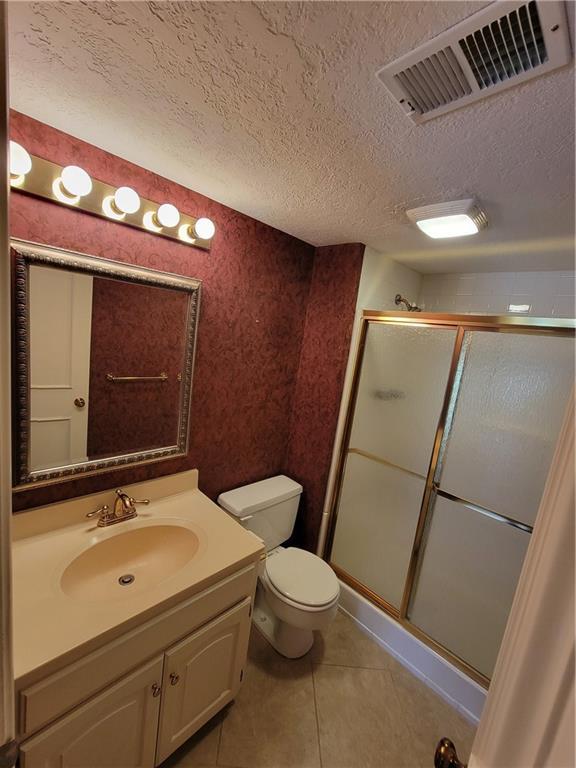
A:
x,y
251,498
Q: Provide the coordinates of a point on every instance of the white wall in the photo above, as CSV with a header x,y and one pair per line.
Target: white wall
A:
x,y
382,278
549,294
7,732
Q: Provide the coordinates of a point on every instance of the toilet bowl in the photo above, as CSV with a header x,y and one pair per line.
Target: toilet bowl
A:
x,y
297,594
297,591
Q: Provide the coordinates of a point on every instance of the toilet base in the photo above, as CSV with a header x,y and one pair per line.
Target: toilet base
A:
x,y
291,642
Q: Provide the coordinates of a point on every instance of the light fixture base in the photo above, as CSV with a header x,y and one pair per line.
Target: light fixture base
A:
x,y
43,180
456,218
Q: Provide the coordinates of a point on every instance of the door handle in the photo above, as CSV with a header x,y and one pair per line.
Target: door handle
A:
x,y
445,755
79,402
174,678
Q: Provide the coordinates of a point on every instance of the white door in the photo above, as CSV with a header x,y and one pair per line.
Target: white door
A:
x,y
60,330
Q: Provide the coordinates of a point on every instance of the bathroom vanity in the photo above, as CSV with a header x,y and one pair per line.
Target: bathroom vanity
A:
x,y
118,672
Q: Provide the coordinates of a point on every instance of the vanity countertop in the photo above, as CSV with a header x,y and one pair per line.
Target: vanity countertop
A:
x,y
50,623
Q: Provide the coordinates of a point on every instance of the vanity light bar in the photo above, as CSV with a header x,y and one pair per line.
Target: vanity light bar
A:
x,y
73,187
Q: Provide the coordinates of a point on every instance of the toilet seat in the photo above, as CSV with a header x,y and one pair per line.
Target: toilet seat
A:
x,y
301,579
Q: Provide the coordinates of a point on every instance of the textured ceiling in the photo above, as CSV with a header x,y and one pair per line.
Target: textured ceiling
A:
x,y
274,109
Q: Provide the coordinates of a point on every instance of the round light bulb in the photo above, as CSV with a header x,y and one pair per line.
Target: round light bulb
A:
x,y
20,160
126,200
204,229
168,215
61,195
76,181
149,221
185,233
111,210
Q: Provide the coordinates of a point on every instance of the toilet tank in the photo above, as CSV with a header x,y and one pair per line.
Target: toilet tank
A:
x,y
267,508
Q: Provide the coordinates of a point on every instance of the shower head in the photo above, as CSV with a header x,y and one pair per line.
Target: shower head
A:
x,y
409,306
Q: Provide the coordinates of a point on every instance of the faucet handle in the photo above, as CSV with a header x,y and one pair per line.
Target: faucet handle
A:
x,y
101,511
130,499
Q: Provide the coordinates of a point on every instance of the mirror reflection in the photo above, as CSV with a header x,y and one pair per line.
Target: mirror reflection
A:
x,y
109,353
104,355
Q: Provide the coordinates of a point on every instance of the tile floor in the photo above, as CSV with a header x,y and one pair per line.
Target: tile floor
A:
x,y
347,704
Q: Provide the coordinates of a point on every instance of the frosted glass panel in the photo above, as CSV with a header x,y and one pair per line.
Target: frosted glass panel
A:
x,y
510,408
377,517
400,394
468,576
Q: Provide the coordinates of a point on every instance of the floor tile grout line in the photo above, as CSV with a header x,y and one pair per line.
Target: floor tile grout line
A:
x,y
316,713
219,742
351,666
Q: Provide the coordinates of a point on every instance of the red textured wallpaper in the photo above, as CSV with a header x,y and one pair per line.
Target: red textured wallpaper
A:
x,y
323,359
255,287
260,287
137,330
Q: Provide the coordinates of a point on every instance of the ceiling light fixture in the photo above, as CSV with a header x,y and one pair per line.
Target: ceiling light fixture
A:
x,y
167,215
459,218
20,163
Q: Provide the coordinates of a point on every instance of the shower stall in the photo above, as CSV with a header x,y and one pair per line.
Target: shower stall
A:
x,y
449,436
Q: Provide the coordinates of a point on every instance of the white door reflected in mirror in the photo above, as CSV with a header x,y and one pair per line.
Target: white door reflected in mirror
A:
x,y
60,332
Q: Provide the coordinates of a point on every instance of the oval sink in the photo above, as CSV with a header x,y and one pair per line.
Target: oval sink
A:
x,y
131,561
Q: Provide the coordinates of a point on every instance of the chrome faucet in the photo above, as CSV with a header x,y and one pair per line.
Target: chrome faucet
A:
x,y
124,509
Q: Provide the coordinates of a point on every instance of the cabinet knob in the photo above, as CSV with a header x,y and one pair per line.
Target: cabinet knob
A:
x,y
174,678
156,690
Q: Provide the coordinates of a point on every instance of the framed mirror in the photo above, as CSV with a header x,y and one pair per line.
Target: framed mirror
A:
x,y
103,363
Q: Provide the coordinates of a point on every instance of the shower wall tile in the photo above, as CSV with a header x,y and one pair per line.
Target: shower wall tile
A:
x,y
567,284
549,294
564,306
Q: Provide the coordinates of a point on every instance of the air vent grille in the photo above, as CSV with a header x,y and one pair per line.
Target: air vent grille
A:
x,y
506,47
434,81
502,45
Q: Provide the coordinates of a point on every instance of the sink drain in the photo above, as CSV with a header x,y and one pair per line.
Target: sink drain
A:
x,y
127,579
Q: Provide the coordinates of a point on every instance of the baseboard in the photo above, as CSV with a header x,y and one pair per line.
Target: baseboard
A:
x,y
445,679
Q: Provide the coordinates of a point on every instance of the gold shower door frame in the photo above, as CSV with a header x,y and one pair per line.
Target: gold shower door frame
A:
x,y
462,324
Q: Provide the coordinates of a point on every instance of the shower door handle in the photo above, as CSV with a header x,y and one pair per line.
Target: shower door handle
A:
x,y
445,755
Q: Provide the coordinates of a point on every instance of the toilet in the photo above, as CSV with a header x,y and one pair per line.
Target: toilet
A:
x,y
297,591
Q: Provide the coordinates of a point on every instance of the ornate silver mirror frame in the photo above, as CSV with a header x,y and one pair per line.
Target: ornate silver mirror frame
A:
x,y
26,254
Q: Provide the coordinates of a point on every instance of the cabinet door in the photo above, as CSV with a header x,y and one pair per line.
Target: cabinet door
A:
x,y
201,675
114,730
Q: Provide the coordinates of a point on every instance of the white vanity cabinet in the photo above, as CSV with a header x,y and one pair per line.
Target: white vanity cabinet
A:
x,y
117,728
141,717
201,675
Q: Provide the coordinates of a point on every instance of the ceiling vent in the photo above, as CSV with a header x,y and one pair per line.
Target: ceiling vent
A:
x,y
502,45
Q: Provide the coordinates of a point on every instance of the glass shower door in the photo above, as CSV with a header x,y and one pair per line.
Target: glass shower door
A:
x,y
503,422
449,439
400,396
